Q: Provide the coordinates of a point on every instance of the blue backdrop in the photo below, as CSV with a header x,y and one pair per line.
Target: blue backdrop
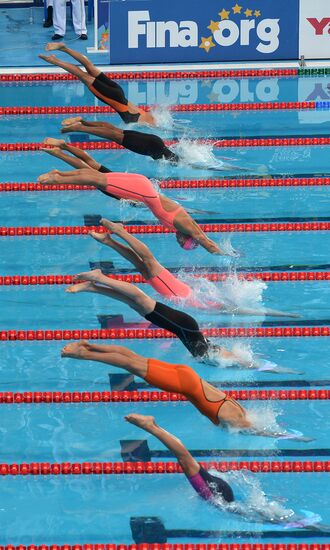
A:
x,y
151,31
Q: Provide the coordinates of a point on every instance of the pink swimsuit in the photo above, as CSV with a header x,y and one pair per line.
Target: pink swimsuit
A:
x,y
138,188
169,286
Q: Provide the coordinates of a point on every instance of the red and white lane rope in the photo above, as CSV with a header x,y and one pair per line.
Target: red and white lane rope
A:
x,y
148,229
150,334
188,107
168,546
152,75
7,187
53,397
267,276
138,468
218,143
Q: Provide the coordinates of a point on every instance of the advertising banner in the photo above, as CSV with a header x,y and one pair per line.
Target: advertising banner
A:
x,y
150,31
314,29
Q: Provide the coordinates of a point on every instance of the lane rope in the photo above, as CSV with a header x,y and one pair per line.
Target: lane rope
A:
x,y
152,229
138,468
218,143
169,546
181,184
187,107
53,397
152,75
267,276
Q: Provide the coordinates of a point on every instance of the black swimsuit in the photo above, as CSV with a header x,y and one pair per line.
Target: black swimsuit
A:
x,y
181,324
149,145
112,94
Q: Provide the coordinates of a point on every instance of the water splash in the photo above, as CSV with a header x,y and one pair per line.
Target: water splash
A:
x,y
251,502
233,293
196,153
242,356
163,116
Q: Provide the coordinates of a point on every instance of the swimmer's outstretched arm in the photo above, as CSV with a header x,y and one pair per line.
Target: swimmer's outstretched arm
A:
x,y
188,464
278,435
266,312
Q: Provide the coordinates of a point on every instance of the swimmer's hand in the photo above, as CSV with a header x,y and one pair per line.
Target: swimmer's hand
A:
x,y
269,366
294,435
236,254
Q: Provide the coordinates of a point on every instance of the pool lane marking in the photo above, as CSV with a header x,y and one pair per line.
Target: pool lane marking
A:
x,y
294,329
280,276
97,397
139,468
273,141
187,107
310,225
165,74
304,180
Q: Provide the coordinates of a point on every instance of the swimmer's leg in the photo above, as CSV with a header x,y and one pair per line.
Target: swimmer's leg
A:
x,y
84,176
151,266
107,131
70,68
188,464
73,161
82,59
117,356
123,250
76,151
119,290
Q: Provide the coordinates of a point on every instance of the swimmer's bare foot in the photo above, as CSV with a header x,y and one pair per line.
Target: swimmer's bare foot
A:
x,y
115,228
52,59
51,150
76,350
51,46
71,120
76,127
103,238
144,422
54,142
48,177
91,276
81,287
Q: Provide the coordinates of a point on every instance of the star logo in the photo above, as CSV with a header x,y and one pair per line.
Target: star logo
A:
x,y
257,13
248,13
237,8
206,84
213,26
207,44
214,98
224,14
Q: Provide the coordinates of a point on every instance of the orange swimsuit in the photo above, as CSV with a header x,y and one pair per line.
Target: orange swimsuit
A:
x,y
184,380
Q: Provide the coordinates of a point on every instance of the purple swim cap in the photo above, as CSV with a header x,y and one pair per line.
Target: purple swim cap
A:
x,y
190,244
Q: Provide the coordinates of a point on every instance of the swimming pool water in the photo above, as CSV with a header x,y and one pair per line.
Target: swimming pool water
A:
x,y
95,508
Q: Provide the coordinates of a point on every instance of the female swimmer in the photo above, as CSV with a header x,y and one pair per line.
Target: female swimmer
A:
x,y
142,143
215,490
157,276
100,85
213,403
139,188
206,485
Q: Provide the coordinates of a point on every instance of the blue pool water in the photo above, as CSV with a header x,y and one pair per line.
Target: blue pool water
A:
x,y
98,508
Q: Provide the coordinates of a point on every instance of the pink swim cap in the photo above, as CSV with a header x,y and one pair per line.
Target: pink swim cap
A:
x,y
186,242
190,244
